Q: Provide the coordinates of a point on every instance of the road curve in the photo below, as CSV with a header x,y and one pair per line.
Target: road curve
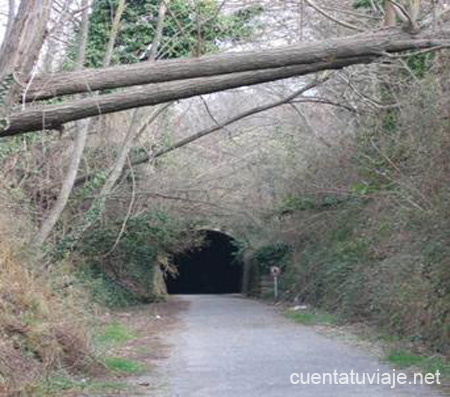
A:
x,y
231,346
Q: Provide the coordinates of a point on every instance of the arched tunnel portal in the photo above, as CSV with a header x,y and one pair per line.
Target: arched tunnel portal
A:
x,y
211,269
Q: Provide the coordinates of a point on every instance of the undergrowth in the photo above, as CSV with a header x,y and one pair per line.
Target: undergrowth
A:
x,y
369,223
37,336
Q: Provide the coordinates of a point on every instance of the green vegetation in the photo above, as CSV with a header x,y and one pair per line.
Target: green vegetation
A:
x,y
366,3
377,252
315,317
114,334
139,25
110,260
404,359
276,254
123,365
104,290
425,364
294,203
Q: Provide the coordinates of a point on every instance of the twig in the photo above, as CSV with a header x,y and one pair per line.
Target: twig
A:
x,y
332,18
352,13
130,209
183,142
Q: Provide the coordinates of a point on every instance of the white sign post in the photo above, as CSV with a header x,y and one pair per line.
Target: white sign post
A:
x,y
275,272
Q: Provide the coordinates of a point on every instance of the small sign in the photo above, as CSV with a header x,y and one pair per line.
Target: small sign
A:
x,y
275,271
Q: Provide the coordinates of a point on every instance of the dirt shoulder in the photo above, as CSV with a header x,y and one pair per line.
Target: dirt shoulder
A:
x,y
151,324
130,343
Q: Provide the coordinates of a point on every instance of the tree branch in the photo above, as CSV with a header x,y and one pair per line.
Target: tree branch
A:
x,y
332,18
194,137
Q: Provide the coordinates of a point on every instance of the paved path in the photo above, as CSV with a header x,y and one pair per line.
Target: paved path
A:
x,y
231,346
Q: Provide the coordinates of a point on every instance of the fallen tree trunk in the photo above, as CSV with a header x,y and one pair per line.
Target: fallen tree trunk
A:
x,y
388,40
53,117
306,59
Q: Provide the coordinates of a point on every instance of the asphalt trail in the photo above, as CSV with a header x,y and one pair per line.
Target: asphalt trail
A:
x,y
228,346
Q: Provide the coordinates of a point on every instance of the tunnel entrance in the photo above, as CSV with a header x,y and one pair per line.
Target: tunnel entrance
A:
x,y
212,269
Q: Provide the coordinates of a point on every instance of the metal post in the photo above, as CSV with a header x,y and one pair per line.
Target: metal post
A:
x,y
275,286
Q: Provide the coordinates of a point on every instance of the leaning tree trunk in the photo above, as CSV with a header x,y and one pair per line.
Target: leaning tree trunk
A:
x,y
20,50
80,143
83,126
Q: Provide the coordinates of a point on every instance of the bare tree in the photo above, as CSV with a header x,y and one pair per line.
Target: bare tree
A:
x,y
83,126
80,142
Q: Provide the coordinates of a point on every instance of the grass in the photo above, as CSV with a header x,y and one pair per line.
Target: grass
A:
x,y
426,364
398,358
404,359
114,334
311,318
123,365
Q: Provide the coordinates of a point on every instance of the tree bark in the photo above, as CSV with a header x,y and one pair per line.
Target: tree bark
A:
x,y
361,45
159,31
53,117
415,9
20,50
390,16
333,54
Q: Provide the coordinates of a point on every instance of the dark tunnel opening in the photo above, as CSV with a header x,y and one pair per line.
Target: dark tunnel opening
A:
x,y
212,269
